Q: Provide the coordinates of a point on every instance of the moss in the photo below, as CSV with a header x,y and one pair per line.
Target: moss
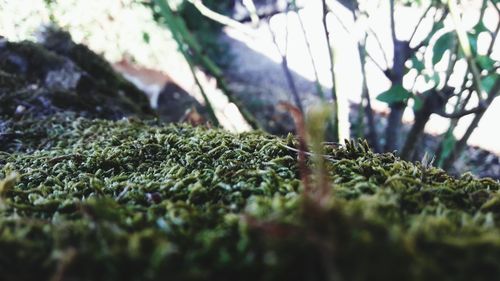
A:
x,y
83,198
137,200
103,74
44,82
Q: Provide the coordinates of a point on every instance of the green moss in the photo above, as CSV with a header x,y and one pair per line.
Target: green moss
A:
x,y
133,200
72,78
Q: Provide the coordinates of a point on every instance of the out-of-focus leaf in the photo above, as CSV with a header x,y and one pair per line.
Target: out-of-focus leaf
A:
x,y
435,28
417,64
8,183
145,37
445,42
488,81
448,145
395,94
479,27
417,103
434,77
485,62
472,43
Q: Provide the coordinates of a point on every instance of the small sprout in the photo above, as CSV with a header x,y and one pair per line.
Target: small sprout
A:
x,y
8,183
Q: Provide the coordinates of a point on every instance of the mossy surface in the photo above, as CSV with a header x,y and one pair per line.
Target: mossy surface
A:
x,y
43,81
132,200
84,198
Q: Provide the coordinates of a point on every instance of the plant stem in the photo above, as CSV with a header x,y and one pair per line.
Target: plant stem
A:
x,y
461,144
319,88
286,70
187,42
335,116
465,46
394,122
365,94
211,111
222,19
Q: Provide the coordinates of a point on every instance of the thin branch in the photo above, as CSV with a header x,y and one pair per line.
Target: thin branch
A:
x,y
222,19
210,108
340,21
495,33
372,132
332,71
419,22
377,39
310,154
451,63
483,9
254,17
426,39
286,70
311,57
460,114
393,24
460,145
379,43
378,65
187,42
300,126
495,6
464,44
262,16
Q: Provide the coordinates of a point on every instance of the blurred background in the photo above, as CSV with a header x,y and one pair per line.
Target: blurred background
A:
x,y
417,77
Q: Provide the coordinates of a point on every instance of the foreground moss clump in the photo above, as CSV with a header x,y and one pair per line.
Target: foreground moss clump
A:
x,y
131,200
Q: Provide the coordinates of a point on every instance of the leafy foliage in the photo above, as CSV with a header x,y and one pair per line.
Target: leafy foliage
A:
x,y
443,44
397,93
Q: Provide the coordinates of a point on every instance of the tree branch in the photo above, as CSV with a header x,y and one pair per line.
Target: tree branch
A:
x,y
252,10
495,33
332,71
465,46
311,57
379,44
383,70
222,19
419,22
460,114
460,145
393,24
426,39
286,70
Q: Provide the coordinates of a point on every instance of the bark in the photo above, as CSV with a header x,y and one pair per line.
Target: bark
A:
x,y
434,102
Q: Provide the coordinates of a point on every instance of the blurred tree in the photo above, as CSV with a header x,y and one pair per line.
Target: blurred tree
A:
x,y
458,46
444,44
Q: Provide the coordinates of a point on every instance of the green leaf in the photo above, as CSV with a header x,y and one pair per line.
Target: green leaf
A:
x,y
395,94
488,81
434,77
485,62
417,103
448,142
145,37
437,26
473,43
417,64
479,27
445,42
